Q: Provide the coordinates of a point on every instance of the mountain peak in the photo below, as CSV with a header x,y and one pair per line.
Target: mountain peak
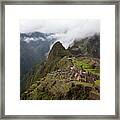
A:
x,y
56,53
57,50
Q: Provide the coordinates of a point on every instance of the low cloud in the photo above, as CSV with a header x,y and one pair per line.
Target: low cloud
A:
x,y
66,31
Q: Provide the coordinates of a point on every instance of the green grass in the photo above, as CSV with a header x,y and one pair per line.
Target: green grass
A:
x,y
81,62
86,65
96,93
94,71
82,83
97,82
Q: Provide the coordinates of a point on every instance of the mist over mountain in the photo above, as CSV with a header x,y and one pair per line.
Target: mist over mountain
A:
x,y
65,31
60,59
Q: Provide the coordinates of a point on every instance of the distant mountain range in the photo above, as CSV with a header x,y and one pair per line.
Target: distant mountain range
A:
x,y
35,36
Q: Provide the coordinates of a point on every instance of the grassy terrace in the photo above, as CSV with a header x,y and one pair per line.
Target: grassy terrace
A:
x,y
86,64
97,83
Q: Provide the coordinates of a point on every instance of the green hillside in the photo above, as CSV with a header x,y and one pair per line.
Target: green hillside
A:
x,y
62,83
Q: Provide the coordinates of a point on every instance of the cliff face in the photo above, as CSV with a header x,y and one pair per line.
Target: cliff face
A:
x,y
67,74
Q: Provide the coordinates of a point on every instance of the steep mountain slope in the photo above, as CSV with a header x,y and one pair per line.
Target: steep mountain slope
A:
x,y
34,48
40,70
65,83
89,46
57,52
72,73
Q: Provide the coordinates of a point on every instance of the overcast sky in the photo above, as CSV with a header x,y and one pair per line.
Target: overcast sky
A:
x,y
66,30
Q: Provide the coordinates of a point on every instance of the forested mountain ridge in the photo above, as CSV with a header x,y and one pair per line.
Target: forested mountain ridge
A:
x,y
89,46
72,73
34,48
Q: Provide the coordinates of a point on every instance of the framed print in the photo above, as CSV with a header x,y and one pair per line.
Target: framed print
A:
x,y
60,60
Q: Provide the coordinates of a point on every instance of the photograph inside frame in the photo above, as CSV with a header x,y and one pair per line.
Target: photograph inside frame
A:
x,y
60,59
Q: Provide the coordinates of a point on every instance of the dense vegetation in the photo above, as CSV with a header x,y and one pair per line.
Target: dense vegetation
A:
x,y
32,52
67,74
